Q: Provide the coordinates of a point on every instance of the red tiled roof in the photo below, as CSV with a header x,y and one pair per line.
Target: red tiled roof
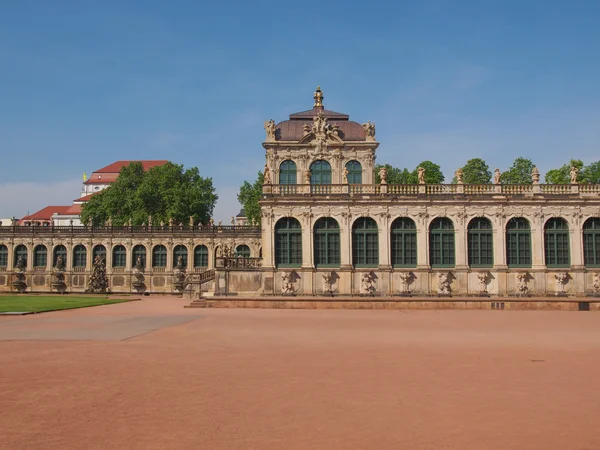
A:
x,y
46,213
116,166
73,210
85,198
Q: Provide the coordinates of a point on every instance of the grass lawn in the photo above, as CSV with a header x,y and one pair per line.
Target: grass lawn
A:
x,y
39,303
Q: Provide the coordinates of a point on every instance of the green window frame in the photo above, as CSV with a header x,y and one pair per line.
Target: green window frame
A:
x,y
320,172
354,172
99,250
40,256
326,243
556,243
79,256
480,243
159,256
139,251
59,250
365,243
518,242
20,252
591,242
288,243
119,256
243,251
441,243
201,256
3,256
180,250
403,241
287,172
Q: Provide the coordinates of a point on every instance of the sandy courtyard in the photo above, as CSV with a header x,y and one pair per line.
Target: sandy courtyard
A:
x,y
152,375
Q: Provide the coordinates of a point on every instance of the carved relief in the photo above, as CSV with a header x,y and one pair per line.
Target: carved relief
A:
x,y
444,287
596,283
270,129
483,278
406,279
522,279
288,281
562,278
329,279
367,283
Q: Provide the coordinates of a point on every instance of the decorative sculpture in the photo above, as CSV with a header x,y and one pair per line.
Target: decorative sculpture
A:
x,y
596,283
59,276
483,278
328,282
138,276
574,172
287,283
179,275
459,176
271,129
383,175
421,175
232,220
535,176
318,98
307,175
19,272
444,287
405,279
367,285
369,130
191,221
345,176
522,280
211,222
306,129
561,280
171,222
267,175
497,176
150,221
98,281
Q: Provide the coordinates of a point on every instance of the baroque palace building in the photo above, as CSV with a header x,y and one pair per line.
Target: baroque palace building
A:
x,y
329,230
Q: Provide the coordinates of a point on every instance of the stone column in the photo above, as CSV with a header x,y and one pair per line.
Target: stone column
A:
x,y
537,244
384,244
307,247
422,246
499,242
128,257
89,258
576,247
69,261
346,245
460,244
109,256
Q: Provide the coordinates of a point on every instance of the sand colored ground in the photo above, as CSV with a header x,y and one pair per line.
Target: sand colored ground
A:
x,y
152,375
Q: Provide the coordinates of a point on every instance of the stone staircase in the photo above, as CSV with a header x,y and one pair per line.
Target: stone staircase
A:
x,y
194,283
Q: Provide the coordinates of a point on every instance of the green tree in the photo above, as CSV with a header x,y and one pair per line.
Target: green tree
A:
x,y
475,171
394,175
562,175
249,197
164,192
519,172
591,173
433,173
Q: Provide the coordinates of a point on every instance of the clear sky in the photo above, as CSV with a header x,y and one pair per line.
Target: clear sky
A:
x,y
85,83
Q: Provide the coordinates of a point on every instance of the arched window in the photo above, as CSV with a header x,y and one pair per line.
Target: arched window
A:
x,y
79,256
99,250
40,256
20,252
365,243
61,251
180,250
556,243
201,256
327,242
591,242
287,172
480,243
441,243
3,256
243,251
518,243
288,243
404,242
139,254
119,258
320,172
159,256
354,172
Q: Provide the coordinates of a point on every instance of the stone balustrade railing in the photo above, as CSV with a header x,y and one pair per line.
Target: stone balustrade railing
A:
x,y
431,189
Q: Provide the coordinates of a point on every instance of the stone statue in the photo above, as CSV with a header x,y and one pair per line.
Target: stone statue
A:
x,y
179,264
444,283
98,280
287,283
138,264
306,129
267,177
345,176
220,224
535,176
270,128
211,222
405,279
522,279
383,175
307,175
59,276
149,221
320,126
219,251
483,278
60,264
561,280
596,283
171,221
367,284
369,131
497,176
574,172
421,174
459,176
232,220
20,266
328,283
191,221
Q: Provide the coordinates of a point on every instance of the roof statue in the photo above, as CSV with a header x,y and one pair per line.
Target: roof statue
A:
x,y
84,176
369,130
270,128
318,98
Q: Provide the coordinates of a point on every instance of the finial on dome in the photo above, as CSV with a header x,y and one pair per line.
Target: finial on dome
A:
x,y
318,98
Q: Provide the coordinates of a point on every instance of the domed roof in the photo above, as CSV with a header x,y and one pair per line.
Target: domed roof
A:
x,y
293,129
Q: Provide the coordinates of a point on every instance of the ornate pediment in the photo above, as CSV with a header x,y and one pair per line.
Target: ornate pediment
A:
x,y
321,133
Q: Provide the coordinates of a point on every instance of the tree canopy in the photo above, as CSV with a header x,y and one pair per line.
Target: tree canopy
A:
x,y
475,171
519,172
165,193
249,196
562,175
433,174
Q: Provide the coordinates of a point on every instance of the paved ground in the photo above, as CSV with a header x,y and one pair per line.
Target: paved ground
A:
x,y
152,375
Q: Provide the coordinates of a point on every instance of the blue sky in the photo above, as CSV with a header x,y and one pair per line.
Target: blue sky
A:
x,y
88,83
